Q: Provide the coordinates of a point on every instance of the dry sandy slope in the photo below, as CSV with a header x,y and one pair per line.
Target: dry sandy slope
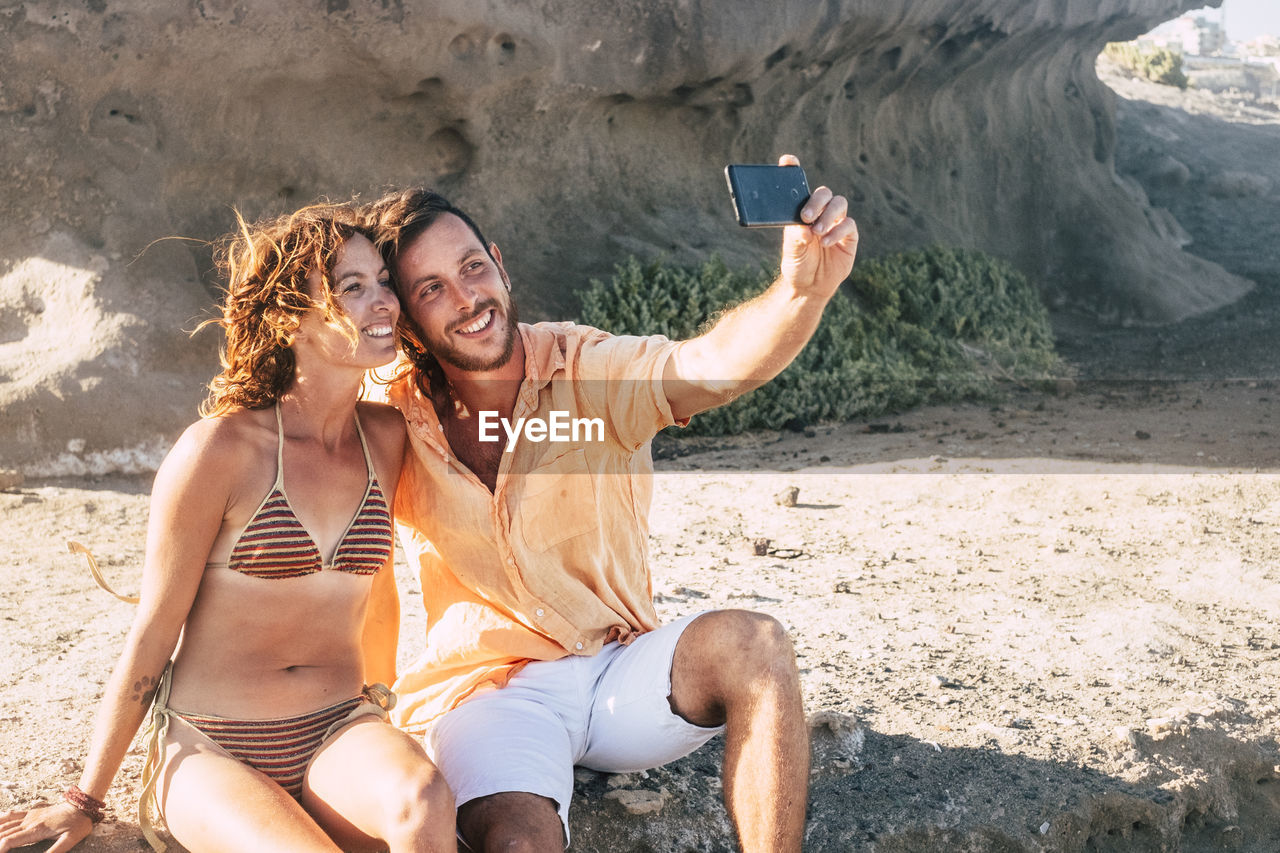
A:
x,y
981,597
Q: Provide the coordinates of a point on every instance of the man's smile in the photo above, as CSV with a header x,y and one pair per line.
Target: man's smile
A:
x,y
478,325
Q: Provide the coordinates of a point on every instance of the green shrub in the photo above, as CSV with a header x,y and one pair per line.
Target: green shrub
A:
x,y
925,326
1157,64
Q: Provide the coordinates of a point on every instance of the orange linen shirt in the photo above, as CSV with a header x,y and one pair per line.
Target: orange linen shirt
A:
x,y
555,560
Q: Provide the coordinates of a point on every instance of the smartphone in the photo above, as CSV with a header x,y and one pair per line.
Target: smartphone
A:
x,y
767,195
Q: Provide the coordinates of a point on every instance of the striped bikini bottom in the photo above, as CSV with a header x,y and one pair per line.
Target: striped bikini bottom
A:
x,y
282,749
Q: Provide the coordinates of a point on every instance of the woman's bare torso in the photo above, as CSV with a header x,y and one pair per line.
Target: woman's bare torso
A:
x,y
262,648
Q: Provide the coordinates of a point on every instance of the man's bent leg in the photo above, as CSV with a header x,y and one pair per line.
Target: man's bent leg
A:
x,y
514,822
633,725
738,668
508,756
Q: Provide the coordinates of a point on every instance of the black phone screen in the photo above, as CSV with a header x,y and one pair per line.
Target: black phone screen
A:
x,y
767,195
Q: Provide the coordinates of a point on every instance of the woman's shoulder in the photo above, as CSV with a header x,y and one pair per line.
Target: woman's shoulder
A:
x,y
225,441
222,432
214,456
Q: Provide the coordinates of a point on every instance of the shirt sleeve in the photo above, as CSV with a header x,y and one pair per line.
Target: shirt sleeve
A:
x,y
622,376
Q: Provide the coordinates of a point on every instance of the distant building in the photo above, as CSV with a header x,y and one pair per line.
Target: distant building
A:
x,y
1196,36
1261,46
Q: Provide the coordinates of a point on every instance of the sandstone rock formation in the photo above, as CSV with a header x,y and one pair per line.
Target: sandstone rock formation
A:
x,y
578,132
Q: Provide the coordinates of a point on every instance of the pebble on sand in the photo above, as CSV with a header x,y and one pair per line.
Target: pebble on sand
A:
x,y
787,497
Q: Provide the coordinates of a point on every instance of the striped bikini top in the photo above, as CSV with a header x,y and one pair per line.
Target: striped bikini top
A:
x,y
275,545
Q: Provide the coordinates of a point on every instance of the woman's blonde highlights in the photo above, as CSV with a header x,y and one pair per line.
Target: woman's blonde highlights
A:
x,y
265,266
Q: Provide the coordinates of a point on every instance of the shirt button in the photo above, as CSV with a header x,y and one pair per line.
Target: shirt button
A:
x,y
578,646
539,613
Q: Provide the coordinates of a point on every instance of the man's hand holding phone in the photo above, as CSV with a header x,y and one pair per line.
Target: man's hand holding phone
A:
x,y
752,343
819,255
820,240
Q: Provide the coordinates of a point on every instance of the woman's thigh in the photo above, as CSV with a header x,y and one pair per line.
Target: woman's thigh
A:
x,y
212,802
373,781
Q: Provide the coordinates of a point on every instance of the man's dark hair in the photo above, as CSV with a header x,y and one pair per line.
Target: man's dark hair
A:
x,y
396,220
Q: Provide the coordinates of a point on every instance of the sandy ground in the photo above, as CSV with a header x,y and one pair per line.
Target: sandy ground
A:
x,y
1046,623
1080,591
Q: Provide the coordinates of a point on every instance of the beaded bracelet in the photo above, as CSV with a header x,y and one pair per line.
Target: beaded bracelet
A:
x,y
91,807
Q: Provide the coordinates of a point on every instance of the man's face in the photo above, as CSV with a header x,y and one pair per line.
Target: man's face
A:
x,y
458,295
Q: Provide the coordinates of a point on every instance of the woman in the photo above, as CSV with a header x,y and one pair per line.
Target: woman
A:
x,y
269,528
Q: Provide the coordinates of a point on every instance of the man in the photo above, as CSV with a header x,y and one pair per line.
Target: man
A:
x,y
543,647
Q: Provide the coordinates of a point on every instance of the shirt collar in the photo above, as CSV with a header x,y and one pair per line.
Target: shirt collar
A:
x,y
543,354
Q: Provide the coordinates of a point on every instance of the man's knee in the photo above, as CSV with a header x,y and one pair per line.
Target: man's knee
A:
x,y
728,659
745,637
511,822
511,839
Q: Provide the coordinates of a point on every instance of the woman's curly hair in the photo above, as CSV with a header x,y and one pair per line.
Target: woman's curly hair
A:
x,y
265,265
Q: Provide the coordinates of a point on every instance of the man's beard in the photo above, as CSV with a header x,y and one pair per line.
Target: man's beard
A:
x,y
450,355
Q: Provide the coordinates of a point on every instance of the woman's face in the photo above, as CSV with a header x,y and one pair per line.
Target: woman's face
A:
x,y
362,289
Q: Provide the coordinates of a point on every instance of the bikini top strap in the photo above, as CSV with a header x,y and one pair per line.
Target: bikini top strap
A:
x,y
279,446
364,445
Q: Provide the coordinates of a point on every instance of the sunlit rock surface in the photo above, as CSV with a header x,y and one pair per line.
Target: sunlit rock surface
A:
x,y
577,132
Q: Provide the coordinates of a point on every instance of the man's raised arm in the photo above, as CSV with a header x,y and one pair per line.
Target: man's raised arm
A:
x,y
754,342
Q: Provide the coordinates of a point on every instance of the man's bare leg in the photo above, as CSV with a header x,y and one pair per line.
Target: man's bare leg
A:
x,y
512,822
738,669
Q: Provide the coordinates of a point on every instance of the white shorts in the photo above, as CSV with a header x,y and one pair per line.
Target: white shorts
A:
x,y
607,712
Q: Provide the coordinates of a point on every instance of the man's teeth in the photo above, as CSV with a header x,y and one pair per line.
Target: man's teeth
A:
x,y
478,324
